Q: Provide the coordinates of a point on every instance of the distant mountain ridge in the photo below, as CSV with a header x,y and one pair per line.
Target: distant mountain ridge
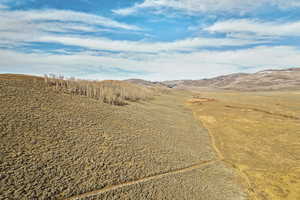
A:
x,y
272,79
146,83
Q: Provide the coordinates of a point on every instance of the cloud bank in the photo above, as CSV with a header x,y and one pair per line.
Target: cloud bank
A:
x,y
204,6
257,27
163,66
96,46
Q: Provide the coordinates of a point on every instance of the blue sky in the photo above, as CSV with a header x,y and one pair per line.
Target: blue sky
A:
x,y
149,39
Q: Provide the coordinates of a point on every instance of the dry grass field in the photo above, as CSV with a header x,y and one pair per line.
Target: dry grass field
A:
x,y
55,145
257,133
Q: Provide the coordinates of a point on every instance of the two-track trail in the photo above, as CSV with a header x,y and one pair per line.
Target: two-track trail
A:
x,y
142,180
221,158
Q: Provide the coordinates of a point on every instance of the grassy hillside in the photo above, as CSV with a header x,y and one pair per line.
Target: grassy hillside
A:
x,y
55,145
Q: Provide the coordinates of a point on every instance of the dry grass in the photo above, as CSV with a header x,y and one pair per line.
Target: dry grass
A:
x,y
258,134
109,91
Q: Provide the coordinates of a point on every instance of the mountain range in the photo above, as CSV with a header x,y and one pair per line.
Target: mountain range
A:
x,y
272,79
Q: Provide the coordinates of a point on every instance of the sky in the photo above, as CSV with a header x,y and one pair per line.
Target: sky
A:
x,y
148,39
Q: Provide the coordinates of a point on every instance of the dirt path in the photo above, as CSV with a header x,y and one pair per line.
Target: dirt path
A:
x,y
158,176
213,141
220,155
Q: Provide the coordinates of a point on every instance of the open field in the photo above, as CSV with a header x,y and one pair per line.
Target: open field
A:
x,y
257,133
59,146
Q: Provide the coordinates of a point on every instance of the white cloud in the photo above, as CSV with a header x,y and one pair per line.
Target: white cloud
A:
x,y
163,66
190,44
256,27
148,4
66,16
21,27
213,63
15,33
28,26
196,6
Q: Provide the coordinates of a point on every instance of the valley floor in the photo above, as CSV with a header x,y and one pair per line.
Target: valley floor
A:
x,y
257,133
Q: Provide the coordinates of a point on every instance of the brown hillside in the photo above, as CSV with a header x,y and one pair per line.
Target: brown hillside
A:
x,y
55,145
